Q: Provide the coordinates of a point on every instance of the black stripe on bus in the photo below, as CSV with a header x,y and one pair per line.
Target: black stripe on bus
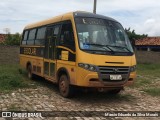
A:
x,y
33,51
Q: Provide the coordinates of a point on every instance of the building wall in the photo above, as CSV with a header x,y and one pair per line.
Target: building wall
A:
x,y
2,37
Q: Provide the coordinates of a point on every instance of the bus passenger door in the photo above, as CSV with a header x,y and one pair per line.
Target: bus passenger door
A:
x,y
49,52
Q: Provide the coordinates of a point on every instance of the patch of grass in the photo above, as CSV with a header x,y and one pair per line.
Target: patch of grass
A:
x,y
11,79
148,69
142,82
152,91
126,97
148,74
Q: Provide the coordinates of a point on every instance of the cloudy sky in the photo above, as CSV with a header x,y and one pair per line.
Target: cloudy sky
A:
x,y
141,15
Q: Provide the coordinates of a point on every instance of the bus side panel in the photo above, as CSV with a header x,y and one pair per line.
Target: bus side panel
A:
x,y
71,69
36,63
23,62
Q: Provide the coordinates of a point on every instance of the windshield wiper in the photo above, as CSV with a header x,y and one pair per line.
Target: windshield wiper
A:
x,y
102,46
120,47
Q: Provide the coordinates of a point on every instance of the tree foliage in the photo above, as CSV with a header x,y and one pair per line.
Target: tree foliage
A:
x,y
133,36
12,39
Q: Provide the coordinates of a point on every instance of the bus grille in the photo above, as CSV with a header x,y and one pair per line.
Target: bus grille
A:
x,y
106,71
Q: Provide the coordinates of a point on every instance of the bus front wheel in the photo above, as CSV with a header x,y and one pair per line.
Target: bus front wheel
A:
x,y
65,88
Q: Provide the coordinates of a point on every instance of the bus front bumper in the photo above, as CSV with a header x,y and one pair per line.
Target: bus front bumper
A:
x,y
92,80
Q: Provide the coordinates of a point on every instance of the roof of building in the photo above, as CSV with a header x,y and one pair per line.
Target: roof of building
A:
x,y
148,41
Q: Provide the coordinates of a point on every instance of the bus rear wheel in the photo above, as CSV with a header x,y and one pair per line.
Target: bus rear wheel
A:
x,y
29,72
65,89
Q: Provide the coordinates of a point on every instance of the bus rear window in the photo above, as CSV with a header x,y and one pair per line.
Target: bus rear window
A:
x,y
25,36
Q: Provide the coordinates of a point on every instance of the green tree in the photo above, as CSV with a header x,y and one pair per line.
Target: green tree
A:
x,y
13,39
133,36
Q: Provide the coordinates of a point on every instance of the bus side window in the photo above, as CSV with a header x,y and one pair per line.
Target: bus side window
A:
x,y
67,36
55,33
40,36
31,37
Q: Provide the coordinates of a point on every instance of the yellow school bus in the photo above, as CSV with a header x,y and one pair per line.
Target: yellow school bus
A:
x,y
79,49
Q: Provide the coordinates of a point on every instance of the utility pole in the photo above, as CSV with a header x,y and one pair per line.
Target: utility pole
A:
x,y
94,7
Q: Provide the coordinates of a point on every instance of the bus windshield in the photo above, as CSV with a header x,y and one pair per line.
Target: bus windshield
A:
x,y
102,35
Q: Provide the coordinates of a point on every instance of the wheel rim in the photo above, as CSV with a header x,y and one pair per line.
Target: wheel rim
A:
x,y
63,86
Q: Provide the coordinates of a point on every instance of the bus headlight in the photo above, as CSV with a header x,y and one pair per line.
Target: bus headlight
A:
x,y
133,68
87,66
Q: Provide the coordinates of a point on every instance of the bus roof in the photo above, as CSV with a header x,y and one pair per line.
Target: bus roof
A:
x,y
91,15
48,21
59,18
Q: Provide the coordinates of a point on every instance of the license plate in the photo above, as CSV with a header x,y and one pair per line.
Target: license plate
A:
x,y
115,77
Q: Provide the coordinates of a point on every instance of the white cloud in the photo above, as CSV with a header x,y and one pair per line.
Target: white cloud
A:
x,y
151,27
141,15
149,21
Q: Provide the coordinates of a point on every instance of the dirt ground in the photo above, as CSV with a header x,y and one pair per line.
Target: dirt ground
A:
x,y
45,97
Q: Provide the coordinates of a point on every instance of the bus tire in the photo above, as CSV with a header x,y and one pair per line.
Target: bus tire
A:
x,y
65,89
29,72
